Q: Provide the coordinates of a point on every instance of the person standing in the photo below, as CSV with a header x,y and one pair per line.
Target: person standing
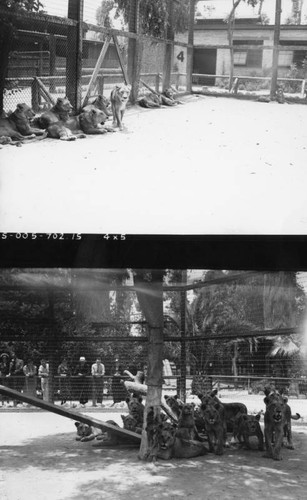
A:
x,y
64,372
30,371
83,371
98,372
43,373
16,372
4,374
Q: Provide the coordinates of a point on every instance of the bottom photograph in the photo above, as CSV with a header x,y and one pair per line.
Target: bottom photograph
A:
x,y
124,383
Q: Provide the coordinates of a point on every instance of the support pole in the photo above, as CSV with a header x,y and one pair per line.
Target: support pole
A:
x,y
190,50
74,54
52,61
169,48
183,356
134,51
275,49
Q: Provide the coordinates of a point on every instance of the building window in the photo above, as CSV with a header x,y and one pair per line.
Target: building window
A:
x,y
285,58
250,58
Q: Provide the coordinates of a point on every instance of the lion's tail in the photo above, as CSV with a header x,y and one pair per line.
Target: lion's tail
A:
x,y
296,416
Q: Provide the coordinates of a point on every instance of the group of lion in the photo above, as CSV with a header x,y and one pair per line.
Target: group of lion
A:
x,y
215,419
189,431
60,123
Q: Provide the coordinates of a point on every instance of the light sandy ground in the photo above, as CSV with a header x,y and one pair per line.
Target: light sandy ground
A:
x,y
40,459
210,166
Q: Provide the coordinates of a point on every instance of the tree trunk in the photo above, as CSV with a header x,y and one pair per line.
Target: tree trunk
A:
x,y
230,28
6,42
150,297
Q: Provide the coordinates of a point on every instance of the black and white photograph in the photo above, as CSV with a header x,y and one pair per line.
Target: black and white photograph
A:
x,y
153,249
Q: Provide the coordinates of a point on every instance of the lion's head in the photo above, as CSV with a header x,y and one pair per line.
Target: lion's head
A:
x,y
246,423
83,430
102,103
166,437
63,105
121,93
211,416
24,111
93,116
129,422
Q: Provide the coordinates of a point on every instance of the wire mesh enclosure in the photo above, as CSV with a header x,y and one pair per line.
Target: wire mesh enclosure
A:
x,y
225,328
82,49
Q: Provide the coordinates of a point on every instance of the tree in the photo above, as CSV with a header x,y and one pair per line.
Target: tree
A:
x,y
230,28
103,13
8,32
153,15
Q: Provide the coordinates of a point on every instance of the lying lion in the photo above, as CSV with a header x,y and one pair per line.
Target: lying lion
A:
x,y
17,125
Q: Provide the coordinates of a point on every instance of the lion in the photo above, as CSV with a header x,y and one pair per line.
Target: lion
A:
x,y
102,103
186,428
168,99
17,125
274,422
150,101
136,409
130,424
58,130
60,112
119,99
86,432
228,410
277,424
170,446
246,426
215,428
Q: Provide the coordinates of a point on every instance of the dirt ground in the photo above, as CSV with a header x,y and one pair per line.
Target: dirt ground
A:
x,y
40,459
211,166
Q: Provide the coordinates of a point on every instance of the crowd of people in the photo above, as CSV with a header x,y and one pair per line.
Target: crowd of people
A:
x,y
84,382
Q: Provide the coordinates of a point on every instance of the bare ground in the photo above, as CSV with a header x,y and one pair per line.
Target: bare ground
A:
x,y
40,459
210,166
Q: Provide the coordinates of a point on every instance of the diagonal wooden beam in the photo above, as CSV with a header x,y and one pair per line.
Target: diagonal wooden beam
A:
x,y
74,415
99,62
121,61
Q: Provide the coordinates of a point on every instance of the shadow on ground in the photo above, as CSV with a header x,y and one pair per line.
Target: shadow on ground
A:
x,y
93,472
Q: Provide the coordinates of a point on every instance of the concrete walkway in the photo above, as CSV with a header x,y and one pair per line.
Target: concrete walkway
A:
x,y
210,166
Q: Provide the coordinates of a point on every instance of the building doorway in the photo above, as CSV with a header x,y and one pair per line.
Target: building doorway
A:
x,y
204,61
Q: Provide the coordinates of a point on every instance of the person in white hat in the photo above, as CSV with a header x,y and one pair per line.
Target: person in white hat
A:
x,y
83,371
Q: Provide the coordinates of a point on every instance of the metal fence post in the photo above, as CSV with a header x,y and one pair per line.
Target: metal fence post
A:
x,y
74,54
183,355
133,51
275,49
190,48
169,48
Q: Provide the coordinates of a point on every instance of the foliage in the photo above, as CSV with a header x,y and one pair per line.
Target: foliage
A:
x,y
103,13
153,15
21,5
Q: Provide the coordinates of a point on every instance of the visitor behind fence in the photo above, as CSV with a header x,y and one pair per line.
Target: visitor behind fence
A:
x,y
4,373
82,371
98,372
30,371
16,372
43,373
64,381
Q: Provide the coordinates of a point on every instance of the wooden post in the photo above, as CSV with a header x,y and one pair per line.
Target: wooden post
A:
x,y
275,49
52,61
150,297
133,51
183,355
51,346
190,49
74,54
35,97
169,48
